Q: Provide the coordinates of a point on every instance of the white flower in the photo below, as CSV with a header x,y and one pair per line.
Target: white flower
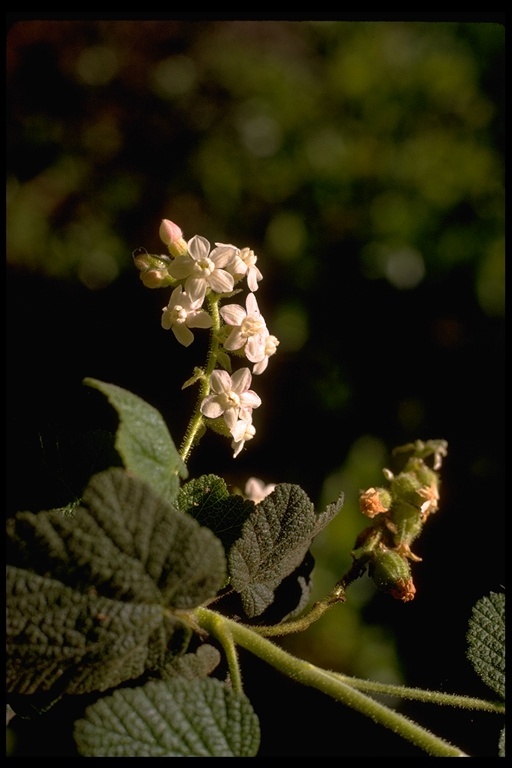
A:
x,y
249,328
242,430
244,264
201,269
270,344
230,397
256,490
184,312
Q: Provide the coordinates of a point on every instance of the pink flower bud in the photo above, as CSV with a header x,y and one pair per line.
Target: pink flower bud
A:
x,y
169,232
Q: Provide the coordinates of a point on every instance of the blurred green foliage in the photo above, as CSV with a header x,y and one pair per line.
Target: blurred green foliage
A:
x,y
294,136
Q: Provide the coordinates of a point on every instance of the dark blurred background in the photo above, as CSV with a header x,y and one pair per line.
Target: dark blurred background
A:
x,y
364,164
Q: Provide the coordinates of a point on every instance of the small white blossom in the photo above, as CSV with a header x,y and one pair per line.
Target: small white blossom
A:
x,y
201,269
184,312
249,328
230,396
270,344
244,265
256,490
242,430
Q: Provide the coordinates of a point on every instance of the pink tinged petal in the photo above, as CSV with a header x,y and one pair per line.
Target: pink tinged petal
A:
x,y
198,247
237,447
221,281
239,430
255,348
235,340
211,408
196,286
233,314
253,275
230,417
260,367
252,305
199,319
250,400
183,334
223,254
241,380
220,381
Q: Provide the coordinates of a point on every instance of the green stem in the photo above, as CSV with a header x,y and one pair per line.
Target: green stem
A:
x,y
299,625
196,422
225,637
307,674
419,694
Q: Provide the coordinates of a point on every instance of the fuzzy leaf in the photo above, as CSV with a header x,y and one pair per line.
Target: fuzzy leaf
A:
x,y
274,543
191,665
58,636
173,718
486,641
143,441
86,593
209,501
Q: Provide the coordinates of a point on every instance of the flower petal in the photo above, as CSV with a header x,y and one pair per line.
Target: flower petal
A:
x,y
233,314
235,340
220,381
221,281
183,334
199,319
181,267
241,380
211,408
198,247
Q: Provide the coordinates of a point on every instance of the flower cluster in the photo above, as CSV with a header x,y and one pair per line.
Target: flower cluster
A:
x,y
398,513
200,274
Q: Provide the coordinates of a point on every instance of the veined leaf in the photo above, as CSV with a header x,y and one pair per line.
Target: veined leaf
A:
x,y
93,596
209,501
143,440
273,543
172,718
486,641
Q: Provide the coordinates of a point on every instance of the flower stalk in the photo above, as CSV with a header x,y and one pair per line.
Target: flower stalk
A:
x,y
332,685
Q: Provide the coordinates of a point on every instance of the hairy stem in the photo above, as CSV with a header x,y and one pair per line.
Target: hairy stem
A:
x,y
196,423
340,690
419,694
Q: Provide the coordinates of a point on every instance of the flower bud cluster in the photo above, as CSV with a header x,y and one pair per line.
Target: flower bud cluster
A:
x,y
399,512
200,274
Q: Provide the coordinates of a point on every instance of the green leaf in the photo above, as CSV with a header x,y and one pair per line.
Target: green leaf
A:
x,y
87,594
143,440
274,542
57,636
486,641
199,664
208,500
174,718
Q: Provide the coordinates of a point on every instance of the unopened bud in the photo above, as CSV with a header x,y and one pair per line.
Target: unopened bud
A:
x,y
405,487
155,278
392,574
172,236
153,270
405,523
